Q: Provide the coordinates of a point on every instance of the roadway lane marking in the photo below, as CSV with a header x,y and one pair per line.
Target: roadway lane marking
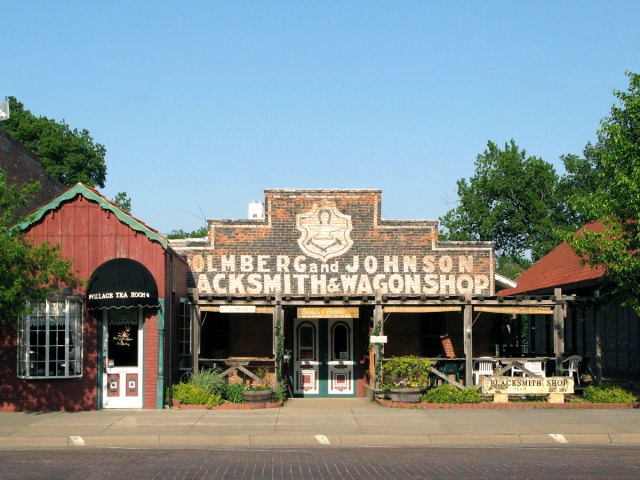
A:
x,y
77,440
323,440
558,438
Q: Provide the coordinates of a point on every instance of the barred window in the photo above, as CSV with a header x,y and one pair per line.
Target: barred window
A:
x,y
50,340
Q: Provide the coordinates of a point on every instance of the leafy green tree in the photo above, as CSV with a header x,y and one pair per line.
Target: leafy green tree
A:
x,y
180,233
580,180
69,155
511,199
615,159
123,201
28,271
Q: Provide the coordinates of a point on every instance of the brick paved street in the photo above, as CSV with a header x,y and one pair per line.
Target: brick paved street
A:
x,y
325,463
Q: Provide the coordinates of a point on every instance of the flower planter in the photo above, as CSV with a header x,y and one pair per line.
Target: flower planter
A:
x,y
406,395
257,396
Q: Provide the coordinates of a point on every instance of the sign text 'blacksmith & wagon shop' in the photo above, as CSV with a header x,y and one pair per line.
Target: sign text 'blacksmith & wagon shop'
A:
x,y
356,275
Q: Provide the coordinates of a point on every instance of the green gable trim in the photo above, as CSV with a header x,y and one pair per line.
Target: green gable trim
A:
x,y
80,189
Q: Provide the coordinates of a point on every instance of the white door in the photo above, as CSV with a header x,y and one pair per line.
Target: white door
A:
x,y
341,364
306,360
323,359
123,340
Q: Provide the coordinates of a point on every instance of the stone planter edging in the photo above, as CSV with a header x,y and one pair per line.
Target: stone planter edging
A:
x,y
231,406
504,406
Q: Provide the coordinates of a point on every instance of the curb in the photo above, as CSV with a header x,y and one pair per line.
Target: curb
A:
x,y
309,440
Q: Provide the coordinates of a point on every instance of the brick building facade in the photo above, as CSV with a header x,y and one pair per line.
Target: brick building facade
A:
x,y
326,271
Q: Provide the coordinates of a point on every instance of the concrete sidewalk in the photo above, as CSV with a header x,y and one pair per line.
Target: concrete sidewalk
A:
x,y
317,422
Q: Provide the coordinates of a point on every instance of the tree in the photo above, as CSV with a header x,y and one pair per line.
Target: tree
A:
x,y
180,233
513,200
123,201
69,155
615,159
28,271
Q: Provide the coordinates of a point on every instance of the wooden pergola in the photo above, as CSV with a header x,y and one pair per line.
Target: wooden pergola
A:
x,y
554,305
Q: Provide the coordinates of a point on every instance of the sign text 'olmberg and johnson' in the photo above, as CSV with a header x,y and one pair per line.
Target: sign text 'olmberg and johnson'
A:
x,y
320,263
264,274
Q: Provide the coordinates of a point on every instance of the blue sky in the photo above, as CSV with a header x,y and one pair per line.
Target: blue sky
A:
x,y
202,104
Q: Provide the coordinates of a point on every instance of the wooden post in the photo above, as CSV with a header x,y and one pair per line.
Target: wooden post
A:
x,y
378,349
278,319
194,319
468,343
597,325
558,329
195,332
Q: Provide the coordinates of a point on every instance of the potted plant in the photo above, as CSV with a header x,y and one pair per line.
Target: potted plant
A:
x,y
405,377
258,392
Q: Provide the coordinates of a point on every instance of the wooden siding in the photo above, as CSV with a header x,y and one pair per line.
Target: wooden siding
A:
x,y
89,236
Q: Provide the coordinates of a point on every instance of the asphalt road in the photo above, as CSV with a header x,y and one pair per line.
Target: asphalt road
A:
x,y
521,463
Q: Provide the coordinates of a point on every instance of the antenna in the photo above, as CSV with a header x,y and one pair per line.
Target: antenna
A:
x,y
4,110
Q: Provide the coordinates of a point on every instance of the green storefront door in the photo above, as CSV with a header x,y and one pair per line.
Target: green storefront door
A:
x,y
323,359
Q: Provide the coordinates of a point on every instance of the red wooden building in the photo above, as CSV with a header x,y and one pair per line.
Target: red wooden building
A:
x,y
106,343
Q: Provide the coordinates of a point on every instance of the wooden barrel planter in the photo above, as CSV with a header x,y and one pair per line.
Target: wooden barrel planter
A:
x,y
406,395
257,396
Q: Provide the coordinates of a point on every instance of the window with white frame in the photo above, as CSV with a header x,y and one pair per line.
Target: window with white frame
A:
x,y
50,339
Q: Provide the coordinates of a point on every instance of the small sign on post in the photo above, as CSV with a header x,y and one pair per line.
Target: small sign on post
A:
x,y
237,309
527,385
378,339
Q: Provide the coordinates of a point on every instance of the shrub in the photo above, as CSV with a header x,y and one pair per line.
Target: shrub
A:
x,y
408,369
190,394
209,379
608,394
451,394
234,391
214,400
280,392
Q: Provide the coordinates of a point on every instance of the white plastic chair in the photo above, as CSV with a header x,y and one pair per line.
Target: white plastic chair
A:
x,y
482,366
535,367
573,362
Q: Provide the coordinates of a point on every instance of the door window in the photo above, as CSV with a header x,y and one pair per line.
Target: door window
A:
x,y
123,338
341,342
306,342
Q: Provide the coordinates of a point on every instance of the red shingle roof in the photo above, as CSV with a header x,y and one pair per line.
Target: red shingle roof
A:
x,y
558,268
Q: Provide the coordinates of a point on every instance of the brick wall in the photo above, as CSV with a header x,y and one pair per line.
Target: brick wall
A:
x,y
334,242
250,336
405,333
22,166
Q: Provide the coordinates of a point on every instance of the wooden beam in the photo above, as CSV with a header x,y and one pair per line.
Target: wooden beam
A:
x,y
422,309
259,310
510,310
468,344
441,375
598,331
375,351
558,330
